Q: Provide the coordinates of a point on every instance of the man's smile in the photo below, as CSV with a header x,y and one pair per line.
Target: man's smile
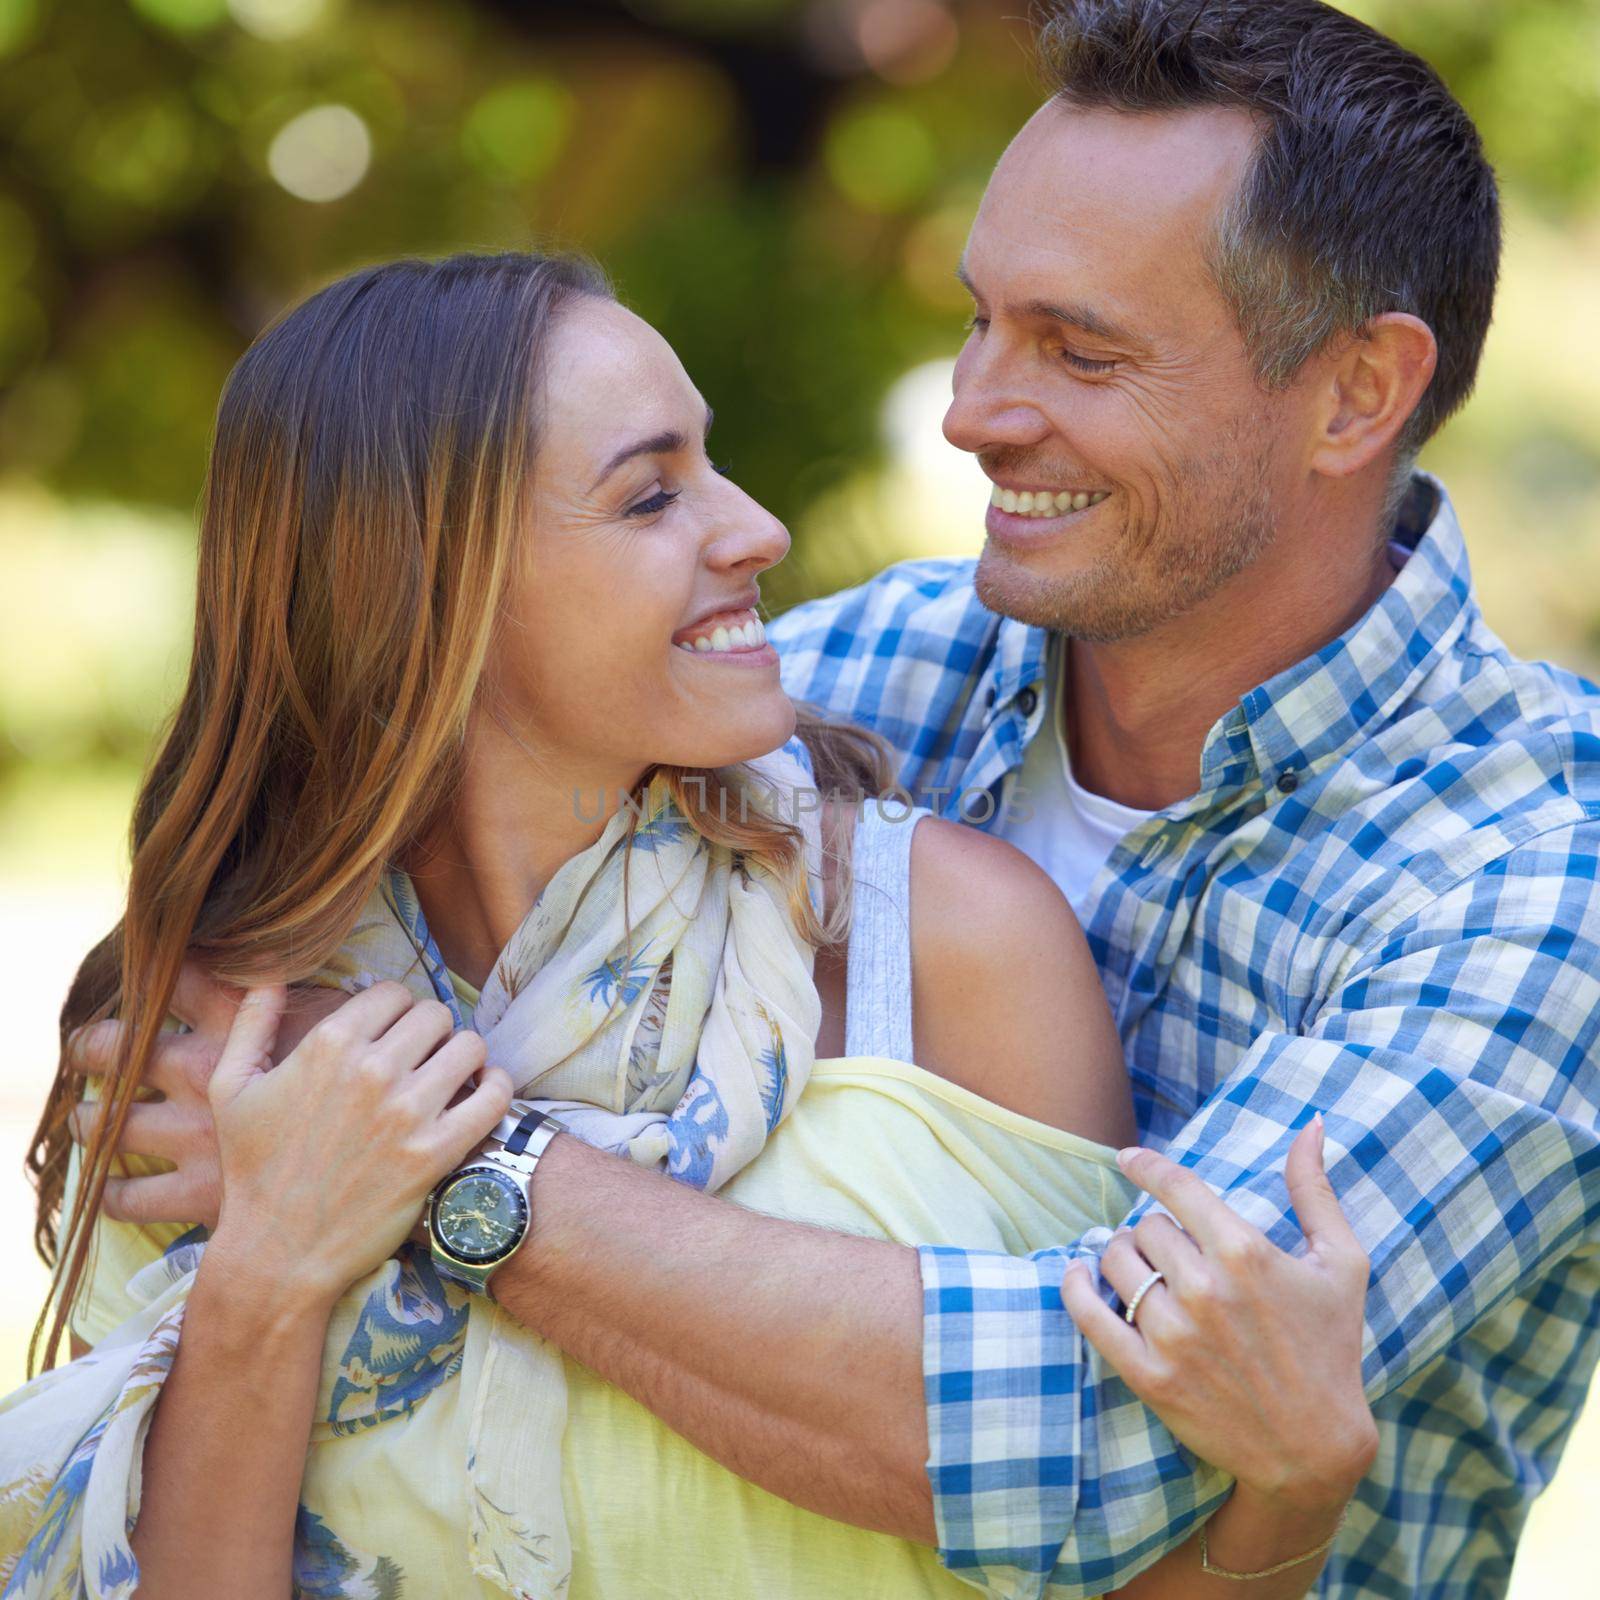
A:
x,y
1023,515
1045,502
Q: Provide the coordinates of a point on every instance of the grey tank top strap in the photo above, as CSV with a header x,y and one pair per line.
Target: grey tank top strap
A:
x,y
878,971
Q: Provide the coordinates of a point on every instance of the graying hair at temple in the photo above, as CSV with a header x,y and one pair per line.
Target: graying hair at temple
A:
x,y
1369,191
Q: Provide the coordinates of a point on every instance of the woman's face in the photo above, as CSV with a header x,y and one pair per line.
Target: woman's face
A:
x,y
633,637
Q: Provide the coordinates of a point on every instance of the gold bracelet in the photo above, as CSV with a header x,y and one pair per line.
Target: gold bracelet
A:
x,y
1267,1572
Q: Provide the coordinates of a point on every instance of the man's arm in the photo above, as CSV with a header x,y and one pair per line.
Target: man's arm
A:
x,y
1453,1065
1455,1062
790,1354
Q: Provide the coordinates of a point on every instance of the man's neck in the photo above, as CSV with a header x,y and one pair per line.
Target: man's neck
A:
x,y
1138,711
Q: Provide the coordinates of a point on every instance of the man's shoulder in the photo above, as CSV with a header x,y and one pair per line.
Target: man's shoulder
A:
x,y
1482,787
1503,715
1563,707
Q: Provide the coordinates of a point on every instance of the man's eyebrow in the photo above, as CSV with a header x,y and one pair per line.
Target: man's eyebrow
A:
x,y
1074,315
667,443
1080,316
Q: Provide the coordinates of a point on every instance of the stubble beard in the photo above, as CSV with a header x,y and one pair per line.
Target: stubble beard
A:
x,y
1216,521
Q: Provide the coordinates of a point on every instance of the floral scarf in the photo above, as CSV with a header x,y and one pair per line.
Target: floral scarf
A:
x,y
680,1044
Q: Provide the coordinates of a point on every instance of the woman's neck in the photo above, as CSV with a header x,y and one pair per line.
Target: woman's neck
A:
x,y
518,816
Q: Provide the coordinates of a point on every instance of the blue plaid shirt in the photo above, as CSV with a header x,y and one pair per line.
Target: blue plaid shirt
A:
x,y
1380,902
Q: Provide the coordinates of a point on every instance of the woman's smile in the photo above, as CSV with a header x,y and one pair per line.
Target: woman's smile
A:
x,y
738,637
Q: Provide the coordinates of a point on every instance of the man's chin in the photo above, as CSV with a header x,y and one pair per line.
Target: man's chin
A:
x,y
1066,601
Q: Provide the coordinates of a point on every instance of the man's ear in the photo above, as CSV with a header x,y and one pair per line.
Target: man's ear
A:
x,y
1371,387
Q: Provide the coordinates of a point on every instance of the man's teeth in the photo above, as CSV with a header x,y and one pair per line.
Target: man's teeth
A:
x,y
1042,503
747,636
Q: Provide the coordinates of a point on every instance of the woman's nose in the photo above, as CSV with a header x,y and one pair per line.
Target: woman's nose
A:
x,y
749,537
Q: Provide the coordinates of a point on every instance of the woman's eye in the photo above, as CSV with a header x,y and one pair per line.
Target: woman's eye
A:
x,y
659,501
1084,364
725,468
976,323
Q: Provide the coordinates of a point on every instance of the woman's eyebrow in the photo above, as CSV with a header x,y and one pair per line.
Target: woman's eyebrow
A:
x,y
667,443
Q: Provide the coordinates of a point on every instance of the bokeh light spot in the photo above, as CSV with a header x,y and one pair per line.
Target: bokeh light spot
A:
x,y
907,41
883,159
902,41
144,152
277,19
931,251
183,16
517,129
17,18
322,154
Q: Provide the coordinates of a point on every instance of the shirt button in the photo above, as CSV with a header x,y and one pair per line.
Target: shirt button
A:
x,y
1153,851
1026,701
1288,781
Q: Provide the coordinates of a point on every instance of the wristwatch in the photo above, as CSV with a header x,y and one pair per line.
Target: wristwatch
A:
x,y
480,1213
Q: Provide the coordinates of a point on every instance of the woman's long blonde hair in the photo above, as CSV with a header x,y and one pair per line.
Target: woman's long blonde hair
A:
x,y
362,502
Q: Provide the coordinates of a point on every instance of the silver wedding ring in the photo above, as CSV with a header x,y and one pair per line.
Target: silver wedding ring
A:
x,y
1139,1294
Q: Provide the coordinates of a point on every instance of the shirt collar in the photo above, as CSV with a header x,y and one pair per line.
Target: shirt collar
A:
x,y
1328,701
1017,662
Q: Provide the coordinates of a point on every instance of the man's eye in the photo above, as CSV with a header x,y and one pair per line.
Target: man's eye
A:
x,y
659,501
976,323
726,468
1084,364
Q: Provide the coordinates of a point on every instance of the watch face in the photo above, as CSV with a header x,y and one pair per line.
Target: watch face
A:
x,y
481,1215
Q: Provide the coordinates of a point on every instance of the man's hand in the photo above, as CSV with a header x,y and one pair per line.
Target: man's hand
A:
x,y
178,1127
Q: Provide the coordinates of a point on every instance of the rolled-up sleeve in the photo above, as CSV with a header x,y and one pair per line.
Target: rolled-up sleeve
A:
x,y
1045,1469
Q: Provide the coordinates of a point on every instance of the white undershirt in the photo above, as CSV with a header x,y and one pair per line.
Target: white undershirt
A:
x,y
1071,832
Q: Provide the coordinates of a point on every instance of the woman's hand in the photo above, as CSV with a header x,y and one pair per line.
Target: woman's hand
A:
x,y
1250,1356
178,1127
326,1159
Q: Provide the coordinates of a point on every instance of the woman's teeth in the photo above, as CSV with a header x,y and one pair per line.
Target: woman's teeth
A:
x,y
749,635
1042,503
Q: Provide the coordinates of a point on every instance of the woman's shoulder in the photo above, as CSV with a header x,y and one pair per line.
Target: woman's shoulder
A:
x,y
954,868
979,900
943,847
1007,999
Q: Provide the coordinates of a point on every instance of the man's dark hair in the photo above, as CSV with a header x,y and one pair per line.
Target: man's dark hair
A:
x,y
1369,190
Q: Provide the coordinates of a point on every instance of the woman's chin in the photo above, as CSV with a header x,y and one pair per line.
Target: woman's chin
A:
x,y
742,733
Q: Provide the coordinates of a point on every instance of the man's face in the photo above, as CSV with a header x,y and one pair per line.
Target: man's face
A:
x,y
1104,363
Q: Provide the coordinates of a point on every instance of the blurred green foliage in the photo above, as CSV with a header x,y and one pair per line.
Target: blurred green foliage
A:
x,y
782,186
753,194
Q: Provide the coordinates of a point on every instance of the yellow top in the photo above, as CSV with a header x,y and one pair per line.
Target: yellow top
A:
x,y
874,1146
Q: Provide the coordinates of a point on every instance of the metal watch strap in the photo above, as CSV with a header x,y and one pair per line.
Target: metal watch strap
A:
x,y
523,1138
519,1140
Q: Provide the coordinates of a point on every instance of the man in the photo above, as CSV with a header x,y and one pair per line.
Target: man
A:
x,y
1227,281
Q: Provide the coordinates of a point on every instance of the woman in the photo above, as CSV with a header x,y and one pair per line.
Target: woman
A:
x,y
464,559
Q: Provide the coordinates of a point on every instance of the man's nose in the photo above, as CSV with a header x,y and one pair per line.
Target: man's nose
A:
x,y
990,407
